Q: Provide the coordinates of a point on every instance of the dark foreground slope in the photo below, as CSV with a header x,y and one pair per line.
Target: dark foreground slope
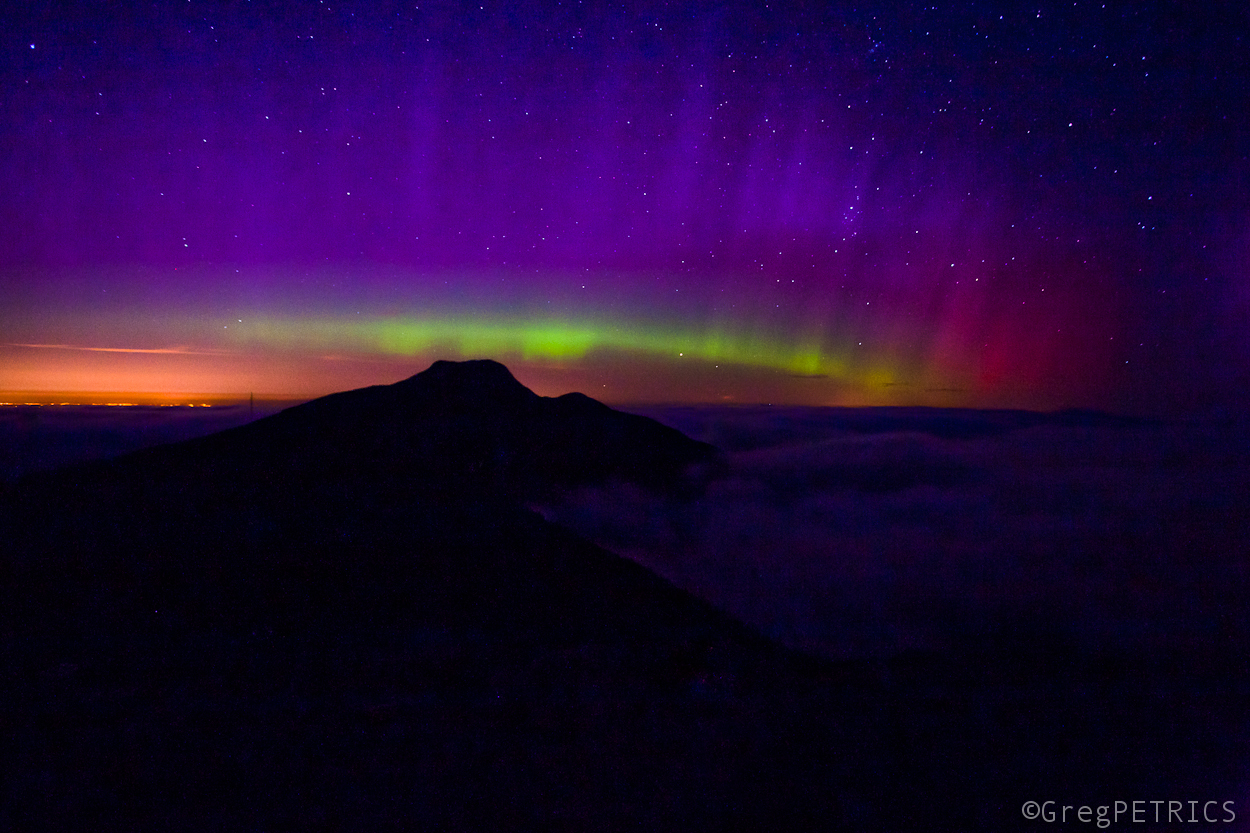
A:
x,y
341,618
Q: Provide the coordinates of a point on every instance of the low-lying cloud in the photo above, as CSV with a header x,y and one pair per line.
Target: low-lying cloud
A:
x,y
851,534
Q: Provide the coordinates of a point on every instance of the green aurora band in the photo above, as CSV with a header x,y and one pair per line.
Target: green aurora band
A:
x,y
538,340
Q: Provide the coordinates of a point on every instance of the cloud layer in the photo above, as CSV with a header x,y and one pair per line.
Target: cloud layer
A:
x,y
862,532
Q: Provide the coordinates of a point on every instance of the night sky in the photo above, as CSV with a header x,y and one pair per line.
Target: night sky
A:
x,y
980,205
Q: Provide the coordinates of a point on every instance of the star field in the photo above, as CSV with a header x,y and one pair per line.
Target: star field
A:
x,y
987,205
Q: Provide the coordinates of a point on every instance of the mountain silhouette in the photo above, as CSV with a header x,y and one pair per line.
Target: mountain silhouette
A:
x,y
343,617
473,423
467,426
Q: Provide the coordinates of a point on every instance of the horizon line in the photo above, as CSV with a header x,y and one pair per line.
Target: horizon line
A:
x,y
28,398
112,397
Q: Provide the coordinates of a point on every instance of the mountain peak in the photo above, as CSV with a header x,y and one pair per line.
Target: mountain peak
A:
x,y
478,379
456,425
473,369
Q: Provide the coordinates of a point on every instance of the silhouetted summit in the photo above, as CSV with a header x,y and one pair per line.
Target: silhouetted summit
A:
x,y
343,617
481,381
460,425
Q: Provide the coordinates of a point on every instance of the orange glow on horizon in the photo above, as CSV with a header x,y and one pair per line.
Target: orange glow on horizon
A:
x,y
100,377
129,399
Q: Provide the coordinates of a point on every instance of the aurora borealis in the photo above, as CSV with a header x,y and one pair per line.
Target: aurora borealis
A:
x,y
968,206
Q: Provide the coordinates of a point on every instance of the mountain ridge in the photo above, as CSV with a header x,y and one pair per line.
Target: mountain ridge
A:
x,y
470,425
345,617
305,619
